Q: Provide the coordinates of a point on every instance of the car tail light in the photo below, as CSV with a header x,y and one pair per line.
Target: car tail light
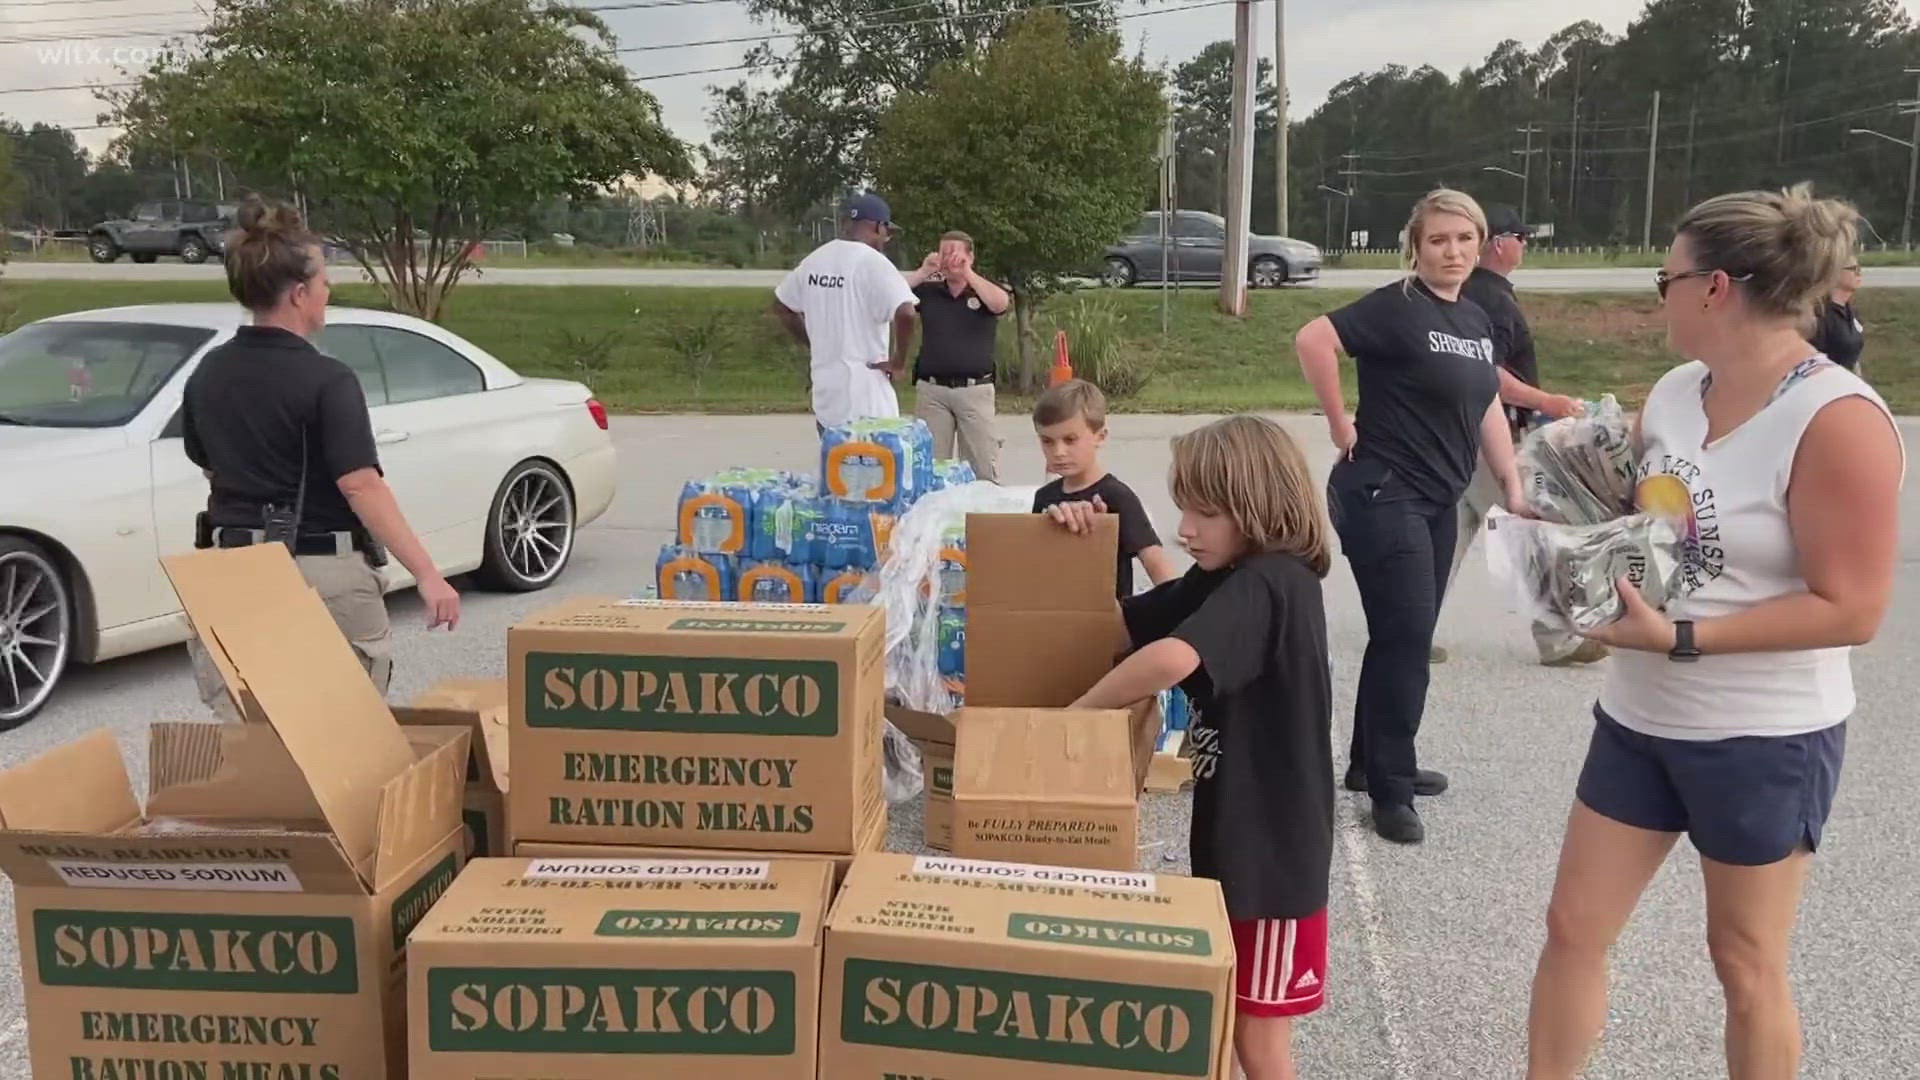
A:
x,y
598,412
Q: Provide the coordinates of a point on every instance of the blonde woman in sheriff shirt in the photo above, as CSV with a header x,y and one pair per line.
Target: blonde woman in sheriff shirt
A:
x,y
1429,407
1725,717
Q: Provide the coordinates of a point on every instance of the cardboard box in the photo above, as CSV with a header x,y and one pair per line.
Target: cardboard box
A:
x,y
607,969
933,735
1046,786
1042,627
875,841
250,919
955,968
480,705
698,725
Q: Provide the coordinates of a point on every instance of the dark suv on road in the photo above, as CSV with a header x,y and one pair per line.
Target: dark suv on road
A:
x,y
1197,250
194,231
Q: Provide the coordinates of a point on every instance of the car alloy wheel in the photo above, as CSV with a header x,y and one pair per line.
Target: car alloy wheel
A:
x,y
532,529
1269,273
1120,273
36,630
102,249
193,250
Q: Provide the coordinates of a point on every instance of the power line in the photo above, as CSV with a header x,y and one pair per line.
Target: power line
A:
x,y
196,10
14,23
1065,5
129,36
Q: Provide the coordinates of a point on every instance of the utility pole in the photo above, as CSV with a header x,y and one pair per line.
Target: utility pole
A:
x,y
1526,171
1168,148
1913,165
1653,149
1280,129
1233,265
1693,116
1346,219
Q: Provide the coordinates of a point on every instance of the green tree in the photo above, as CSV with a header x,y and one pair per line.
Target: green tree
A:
x,y
410,128
1042,148
809,138
1754,93
11,192
51,170
1203,126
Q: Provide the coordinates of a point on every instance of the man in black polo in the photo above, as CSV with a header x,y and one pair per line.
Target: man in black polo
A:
x,y
1490,287
953,377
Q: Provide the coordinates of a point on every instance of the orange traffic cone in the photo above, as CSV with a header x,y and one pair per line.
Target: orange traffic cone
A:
x,y
1062,370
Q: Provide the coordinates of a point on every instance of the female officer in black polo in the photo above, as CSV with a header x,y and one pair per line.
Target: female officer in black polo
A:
x,y
282,430
1429,403
1836,328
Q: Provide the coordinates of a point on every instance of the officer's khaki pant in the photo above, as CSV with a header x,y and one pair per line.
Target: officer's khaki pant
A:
x,y
1483,494
352,590
965,411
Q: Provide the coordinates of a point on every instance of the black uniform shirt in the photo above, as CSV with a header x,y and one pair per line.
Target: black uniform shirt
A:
x,y
956,333
1426,379
247,408
1512,337
1262,734
1838,333
1136,528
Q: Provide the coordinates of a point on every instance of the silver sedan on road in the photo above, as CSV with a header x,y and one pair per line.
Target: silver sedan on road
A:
x,y
1196,248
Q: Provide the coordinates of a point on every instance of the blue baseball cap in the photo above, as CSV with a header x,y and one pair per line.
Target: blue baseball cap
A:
x,y
869,208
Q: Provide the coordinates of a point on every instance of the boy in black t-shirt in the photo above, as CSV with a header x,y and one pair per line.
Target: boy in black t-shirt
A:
x,y
1244,634
1071,420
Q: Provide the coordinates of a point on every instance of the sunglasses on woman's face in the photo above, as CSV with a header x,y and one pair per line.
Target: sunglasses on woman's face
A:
x,y
1663,280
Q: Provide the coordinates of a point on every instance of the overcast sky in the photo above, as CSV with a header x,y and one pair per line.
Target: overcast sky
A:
x,y
1328,41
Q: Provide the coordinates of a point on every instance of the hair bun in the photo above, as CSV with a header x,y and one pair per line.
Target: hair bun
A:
x,y
1819,221
262,218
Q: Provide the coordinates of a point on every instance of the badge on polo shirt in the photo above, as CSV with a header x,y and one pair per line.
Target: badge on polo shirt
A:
x,y
973,302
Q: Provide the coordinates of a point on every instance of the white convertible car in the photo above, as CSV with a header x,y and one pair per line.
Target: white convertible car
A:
x,y
494,471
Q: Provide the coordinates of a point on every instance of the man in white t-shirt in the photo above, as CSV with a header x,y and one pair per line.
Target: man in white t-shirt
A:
x,y
840,302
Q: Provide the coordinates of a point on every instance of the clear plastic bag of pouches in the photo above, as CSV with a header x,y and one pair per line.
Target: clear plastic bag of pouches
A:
x,y
1580,470
1565,576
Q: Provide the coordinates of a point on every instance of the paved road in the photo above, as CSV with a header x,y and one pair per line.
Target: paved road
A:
x,y
1599,279
1433,946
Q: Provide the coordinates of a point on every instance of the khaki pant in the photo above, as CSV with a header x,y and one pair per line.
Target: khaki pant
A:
x,y
965,411
1483,494
353,592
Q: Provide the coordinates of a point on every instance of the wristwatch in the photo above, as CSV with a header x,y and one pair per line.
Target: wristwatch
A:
x,y
1684,650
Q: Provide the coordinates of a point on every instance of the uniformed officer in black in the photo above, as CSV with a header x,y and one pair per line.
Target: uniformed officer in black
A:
x,y
1491,286
953,376
283,435
1429,408
1836,328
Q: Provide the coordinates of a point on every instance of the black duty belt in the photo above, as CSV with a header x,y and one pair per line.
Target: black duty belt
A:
x,y
337,543
958,382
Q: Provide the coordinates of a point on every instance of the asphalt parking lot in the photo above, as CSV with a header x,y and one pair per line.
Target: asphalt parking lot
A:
x,y
1433,946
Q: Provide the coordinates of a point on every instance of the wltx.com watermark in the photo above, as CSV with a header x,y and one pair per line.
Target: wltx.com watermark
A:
x,y
70,54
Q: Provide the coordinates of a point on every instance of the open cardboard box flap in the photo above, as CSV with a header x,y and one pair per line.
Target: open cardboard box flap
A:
x,y
421,807
75,804
477,704
286,664
1042,622
1043,626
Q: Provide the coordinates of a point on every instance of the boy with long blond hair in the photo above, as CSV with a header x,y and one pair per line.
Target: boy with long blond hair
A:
x,y
1244,634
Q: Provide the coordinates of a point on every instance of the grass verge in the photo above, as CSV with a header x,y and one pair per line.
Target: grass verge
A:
x,y
715,350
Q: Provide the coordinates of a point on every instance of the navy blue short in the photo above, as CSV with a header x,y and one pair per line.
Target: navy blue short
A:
x,y
1746,801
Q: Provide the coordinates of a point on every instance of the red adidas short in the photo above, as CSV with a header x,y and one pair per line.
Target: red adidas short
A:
x,y
1280,965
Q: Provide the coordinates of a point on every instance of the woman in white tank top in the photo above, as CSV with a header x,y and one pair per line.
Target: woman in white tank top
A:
x,y
1725,717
